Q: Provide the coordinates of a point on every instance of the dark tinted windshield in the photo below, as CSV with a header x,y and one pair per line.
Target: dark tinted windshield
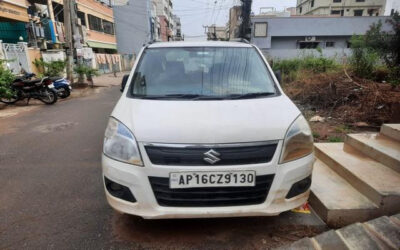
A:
x,y
201,73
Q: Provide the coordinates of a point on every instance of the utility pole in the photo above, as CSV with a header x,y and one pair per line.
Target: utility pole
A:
x,y
245,28
70,32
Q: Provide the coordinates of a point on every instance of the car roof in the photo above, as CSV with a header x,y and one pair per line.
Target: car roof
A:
x,y
199,44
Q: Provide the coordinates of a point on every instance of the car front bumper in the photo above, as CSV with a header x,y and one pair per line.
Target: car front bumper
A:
x,y
137,180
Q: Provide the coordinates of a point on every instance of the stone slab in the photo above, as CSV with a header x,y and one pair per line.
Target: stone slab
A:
x,y
386,230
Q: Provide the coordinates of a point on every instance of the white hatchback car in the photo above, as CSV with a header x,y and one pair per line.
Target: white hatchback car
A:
x,y
204,130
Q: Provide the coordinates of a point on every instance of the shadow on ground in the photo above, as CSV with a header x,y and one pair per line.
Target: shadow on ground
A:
x,y
232,233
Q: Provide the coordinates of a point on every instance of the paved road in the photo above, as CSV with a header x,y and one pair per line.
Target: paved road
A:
x,y
51,193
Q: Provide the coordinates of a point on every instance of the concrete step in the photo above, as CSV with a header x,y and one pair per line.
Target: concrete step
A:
x,y
330,240
380,233
391,130
336,201
358,237
377,146
377,182
387,231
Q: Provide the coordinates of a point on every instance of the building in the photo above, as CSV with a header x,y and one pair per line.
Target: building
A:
x,y
234,22
341,7
290,37
38,32
141,21
133,26
155,26
217,33
167,23
391,7
272,12
177,31
164,13
13,19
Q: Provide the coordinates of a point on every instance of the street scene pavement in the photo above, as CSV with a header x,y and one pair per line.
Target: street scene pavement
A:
x,y
52,195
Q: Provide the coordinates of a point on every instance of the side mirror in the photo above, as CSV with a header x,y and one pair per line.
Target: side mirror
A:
x,y
123,83
278,75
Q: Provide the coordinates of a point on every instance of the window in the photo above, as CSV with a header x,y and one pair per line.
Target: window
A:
x,y
392,12
260,29
330,44
337,1
360,1
370,12
301,9
308,45
358,12
335,12
95,23
81,16
108,27
200,72
312,3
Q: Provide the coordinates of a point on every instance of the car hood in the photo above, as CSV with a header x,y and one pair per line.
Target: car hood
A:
x,y
220,121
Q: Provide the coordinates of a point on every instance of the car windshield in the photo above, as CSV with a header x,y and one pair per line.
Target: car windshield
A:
x,y
201,73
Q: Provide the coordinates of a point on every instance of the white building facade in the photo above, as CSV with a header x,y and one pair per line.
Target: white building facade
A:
x,y
341,7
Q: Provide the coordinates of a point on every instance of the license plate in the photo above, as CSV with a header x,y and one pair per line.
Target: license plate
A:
x,y
212,179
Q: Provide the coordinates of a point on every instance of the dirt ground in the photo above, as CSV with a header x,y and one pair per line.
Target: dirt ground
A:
x,y
337,104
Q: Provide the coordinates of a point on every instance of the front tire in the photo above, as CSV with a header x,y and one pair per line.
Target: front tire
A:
x,y
64,92
49,96
10,100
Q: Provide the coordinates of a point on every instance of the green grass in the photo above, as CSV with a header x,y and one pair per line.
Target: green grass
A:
x,y
343,129
290,68
335,139
316,135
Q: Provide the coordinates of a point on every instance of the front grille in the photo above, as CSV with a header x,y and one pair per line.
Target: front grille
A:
x,y
211,196
194,156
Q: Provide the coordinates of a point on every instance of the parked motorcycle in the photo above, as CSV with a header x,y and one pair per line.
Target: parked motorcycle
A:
x,y
23,87
61,86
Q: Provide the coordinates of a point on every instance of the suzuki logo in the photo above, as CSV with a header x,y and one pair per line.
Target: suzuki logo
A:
x,y
211,156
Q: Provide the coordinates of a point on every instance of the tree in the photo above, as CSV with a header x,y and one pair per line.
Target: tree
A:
x,y
378,44
6,78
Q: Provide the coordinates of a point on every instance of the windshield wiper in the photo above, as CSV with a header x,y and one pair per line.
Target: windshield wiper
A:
x,y
184,96
249,95
209,97
169,96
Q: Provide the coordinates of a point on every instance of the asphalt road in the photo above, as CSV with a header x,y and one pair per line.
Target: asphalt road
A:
x,y
51,192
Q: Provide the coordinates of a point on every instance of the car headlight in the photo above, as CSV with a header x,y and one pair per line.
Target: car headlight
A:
x,y
120,144
298,141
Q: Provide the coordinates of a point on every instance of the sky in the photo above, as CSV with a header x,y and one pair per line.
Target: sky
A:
x,y
195,14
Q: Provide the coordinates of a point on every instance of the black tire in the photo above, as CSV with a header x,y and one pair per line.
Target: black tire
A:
x,y
64,92
50,98
12,100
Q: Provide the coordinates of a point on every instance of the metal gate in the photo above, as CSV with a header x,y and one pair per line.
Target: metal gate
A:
x,y
17,57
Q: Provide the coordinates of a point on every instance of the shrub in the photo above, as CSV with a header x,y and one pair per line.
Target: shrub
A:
x,y
287,65
6,78
378,46
53,68
363,60
316,64
82,70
